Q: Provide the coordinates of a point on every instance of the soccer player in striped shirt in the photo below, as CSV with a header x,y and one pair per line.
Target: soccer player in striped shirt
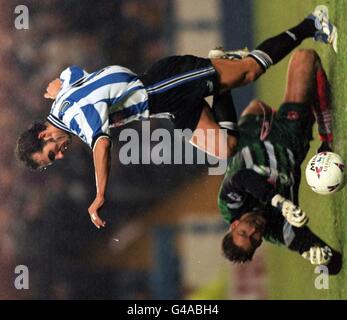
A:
x,y
259,194
89,105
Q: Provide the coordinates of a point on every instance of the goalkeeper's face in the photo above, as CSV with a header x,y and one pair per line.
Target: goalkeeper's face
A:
x,y
247,232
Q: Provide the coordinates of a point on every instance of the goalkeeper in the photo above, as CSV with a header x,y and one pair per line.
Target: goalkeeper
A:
x,y
259,195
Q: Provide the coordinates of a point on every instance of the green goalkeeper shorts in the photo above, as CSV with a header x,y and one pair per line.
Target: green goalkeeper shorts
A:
x,y
291,127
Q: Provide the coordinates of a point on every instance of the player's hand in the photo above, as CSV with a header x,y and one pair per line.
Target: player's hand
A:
x,y
94,209
293,214
318,255
53,89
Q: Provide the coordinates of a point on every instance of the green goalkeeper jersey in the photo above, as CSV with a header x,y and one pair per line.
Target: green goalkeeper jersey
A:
x,y
267,162
277,159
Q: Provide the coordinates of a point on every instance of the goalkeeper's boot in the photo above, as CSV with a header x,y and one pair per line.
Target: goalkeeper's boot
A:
x,y
326,31
221,53
325,147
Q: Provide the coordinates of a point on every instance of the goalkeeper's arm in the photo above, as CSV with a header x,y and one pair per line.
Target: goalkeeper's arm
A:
x,y
314,249
249,181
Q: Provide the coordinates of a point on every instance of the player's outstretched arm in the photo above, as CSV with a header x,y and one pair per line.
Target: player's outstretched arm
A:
x,y
315,250
102,161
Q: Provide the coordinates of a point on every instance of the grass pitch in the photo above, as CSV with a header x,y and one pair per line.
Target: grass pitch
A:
x,y
290,276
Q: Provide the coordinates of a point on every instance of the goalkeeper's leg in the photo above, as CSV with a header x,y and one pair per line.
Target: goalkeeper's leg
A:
x,y
322,109
301,78
308,84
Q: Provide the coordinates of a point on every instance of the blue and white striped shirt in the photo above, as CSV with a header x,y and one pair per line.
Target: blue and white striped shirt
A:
x,y
88,105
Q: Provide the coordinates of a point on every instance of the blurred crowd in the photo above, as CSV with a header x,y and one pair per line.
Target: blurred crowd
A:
x,y
43,217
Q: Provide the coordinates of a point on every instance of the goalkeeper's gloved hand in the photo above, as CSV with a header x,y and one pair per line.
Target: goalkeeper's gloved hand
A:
x,y
318,255
293,214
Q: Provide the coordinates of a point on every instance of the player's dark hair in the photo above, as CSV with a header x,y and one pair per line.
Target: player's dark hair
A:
x,y
29,143
235,253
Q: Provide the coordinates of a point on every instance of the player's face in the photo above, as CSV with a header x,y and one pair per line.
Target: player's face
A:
x,y
248,231
53,150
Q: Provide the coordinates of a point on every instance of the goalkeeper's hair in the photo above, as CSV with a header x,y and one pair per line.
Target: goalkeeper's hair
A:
x,y
29,143
235,253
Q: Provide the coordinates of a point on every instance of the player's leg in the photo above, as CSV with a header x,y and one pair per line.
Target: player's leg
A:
x,y
208,136
301,76
238,73
296,112
183,101
322,109
257,107
224,113
260,108
308,83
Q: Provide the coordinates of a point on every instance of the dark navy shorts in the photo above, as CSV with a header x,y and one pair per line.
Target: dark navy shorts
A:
x,y
177,86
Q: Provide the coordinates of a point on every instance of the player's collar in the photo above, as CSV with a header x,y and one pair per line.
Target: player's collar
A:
x,y
57,123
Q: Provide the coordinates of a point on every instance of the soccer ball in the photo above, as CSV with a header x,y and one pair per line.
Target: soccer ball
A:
x,y
324,173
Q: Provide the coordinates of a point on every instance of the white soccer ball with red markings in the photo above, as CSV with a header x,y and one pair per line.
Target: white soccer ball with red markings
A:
x,y
325,173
